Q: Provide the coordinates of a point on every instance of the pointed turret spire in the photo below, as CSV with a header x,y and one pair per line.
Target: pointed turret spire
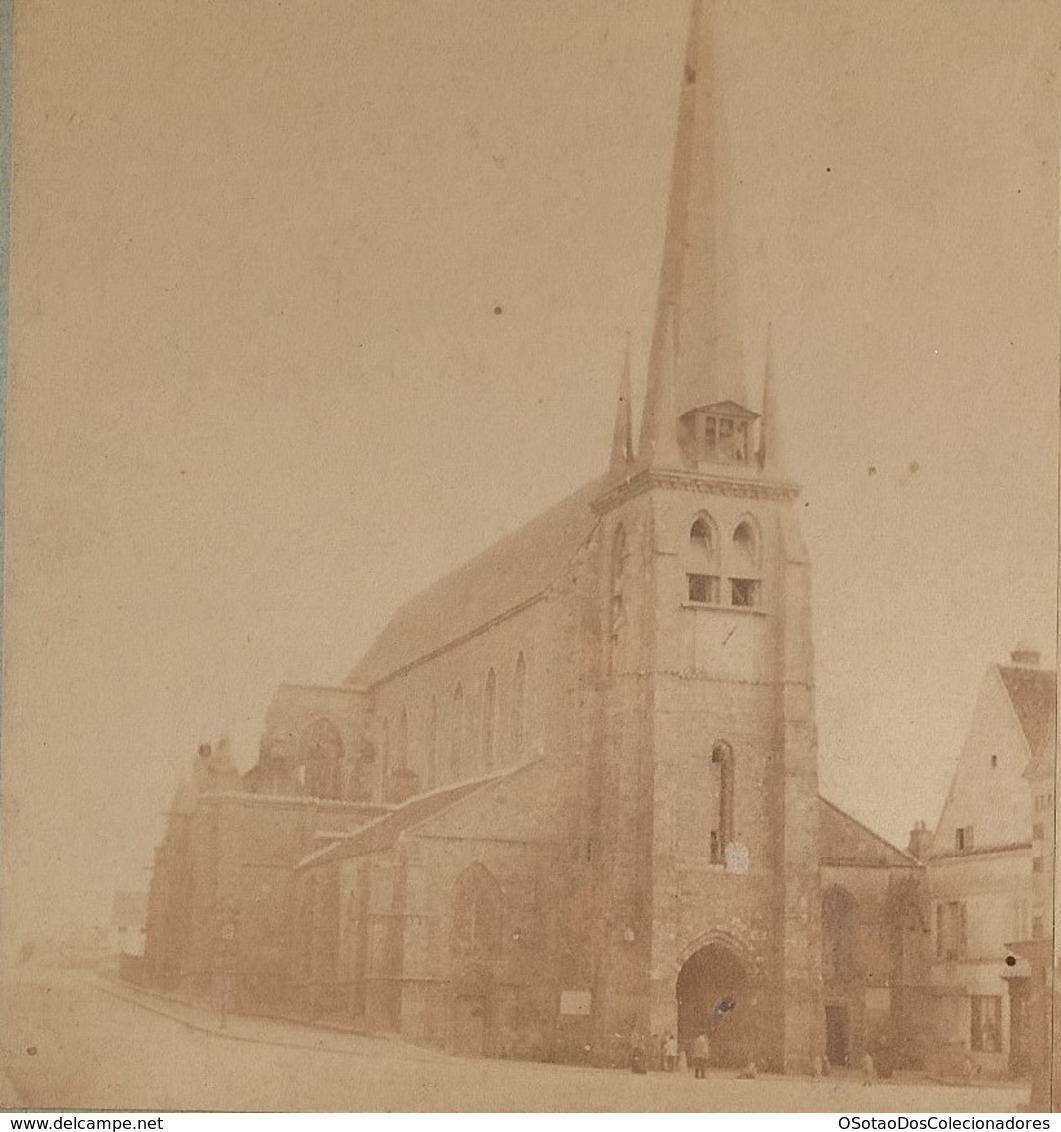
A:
x,y
769,434
659,423
623,437
698,279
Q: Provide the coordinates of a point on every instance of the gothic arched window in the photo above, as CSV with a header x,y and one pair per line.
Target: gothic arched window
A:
x,y
320,757
431,745
519,707
722,774
385,749
401,750
745,570
489,717
702,571
477,909
456,731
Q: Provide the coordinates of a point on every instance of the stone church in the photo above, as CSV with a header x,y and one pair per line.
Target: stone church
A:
x,y
571,792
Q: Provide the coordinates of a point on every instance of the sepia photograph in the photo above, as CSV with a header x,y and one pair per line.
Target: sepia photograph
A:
x,y
531,556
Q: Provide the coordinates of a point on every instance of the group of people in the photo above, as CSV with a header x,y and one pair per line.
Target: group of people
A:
x,y
698,1054
700,1051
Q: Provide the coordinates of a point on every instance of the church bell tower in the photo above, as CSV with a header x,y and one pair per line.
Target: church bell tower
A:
x,y
707,811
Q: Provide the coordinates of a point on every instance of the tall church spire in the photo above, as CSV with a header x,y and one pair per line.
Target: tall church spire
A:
x,y
698,277
770,456
623,437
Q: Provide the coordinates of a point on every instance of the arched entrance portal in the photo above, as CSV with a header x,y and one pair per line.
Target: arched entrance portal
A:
x,y
713,998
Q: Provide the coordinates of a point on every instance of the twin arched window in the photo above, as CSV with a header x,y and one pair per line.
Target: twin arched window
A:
x,y
705,559
394,746
488,735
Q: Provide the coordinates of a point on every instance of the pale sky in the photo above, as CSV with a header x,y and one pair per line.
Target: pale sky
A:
x,y
259,393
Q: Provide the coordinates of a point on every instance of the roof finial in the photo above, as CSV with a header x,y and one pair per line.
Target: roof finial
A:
x,y
769,432
623,436
659,421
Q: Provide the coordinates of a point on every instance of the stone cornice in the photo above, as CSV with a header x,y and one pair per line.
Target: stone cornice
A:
x,y
649,479
953,856
476,632
345,689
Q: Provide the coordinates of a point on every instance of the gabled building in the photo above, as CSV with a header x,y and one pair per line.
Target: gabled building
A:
x,y
982,872
875,934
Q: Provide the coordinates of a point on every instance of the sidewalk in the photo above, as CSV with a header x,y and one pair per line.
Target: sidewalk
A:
x,y
284,1033
77,1040
295,1034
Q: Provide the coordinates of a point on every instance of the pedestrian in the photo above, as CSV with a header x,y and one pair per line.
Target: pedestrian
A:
x,y
670,1053
638,1063
883,1059
701,1051
869,1071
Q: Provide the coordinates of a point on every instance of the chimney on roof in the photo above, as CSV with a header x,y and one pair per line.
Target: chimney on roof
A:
x,y
920,838
1025,657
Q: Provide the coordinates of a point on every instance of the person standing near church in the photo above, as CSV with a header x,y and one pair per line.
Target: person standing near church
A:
x,y
670,1053
638,1060
701,1052
869,1070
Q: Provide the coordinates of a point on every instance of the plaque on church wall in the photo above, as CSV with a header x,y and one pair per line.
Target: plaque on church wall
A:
x,y
575,1002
